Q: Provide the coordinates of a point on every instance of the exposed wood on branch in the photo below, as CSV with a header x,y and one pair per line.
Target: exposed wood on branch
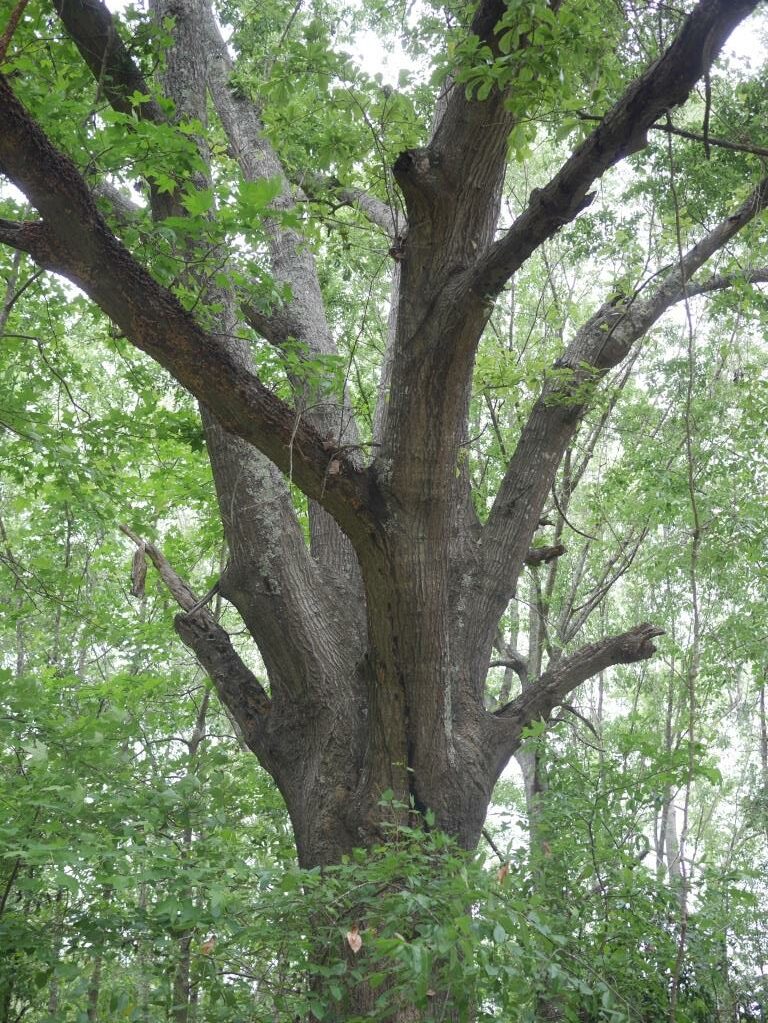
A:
x,y
238,687
543,555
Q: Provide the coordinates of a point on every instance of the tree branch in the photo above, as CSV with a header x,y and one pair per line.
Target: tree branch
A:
x,y
291,613
330,190
584,720
10,27
543,555
457,145
31,237
238,688
80,246
694,136
123,209
550,690
621,132
720,282
600,344
302,317
93,32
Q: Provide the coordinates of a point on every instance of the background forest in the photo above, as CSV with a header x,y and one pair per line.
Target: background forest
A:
x,y
147,866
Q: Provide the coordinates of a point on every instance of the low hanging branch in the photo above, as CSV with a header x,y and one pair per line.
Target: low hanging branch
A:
x,y
237,686
550,690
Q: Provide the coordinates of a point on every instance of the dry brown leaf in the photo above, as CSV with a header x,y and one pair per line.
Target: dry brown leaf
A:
x,y
354,940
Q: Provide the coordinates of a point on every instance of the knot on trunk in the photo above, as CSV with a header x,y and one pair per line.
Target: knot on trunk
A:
x,y
543,555
418,173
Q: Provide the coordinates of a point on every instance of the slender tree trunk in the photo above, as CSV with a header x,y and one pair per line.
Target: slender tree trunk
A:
x,y
763,718
530,757
94,990
144,966
6,995
181,981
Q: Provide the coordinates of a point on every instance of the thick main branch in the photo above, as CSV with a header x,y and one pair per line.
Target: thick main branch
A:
x,y
83,249
600,344
623,130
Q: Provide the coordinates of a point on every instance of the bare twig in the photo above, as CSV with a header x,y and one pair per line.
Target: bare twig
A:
x,y
10,27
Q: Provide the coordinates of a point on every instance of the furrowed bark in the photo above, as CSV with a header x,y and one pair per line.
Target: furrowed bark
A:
x,y
452,190
446,278
309,633
421,425
267,555
93,31
302,318
284,597
406,713
450,269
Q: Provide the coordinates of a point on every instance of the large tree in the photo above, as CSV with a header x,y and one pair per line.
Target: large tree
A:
x,y
376,625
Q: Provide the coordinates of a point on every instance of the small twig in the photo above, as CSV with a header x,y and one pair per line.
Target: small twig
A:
x,y
584,720
284,35
492,844
204,600
693,136
11,301
707,112
10,28
561,513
